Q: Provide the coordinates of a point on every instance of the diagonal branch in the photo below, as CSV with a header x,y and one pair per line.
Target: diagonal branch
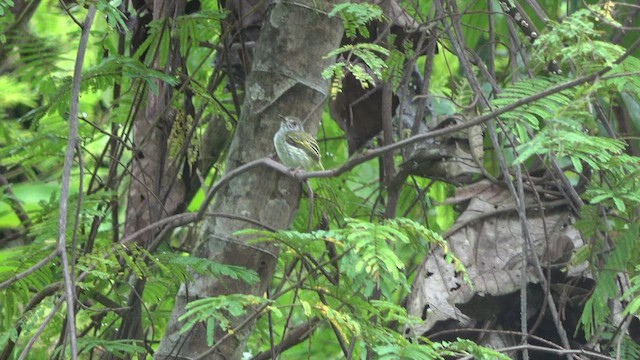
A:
x,y
16,206
360,159
39,265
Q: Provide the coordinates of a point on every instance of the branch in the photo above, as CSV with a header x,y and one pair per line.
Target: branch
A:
x,y
16,206
35,300
357,160
207,354
40,330
364,157
64,191
297,335
29,271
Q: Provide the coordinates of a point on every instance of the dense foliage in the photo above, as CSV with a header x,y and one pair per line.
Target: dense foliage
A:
x,y
346,267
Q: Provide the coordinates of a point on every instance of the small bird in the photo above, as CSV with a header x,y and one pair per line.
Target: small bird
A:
x,y
296,148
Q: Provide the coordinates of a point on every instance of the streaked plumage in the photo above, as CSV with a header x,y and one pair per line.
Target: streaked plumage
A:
x,y
295,147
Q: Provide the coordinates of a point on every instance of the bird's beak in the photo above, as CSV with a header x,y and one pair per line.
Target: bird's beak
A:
x,y
284,120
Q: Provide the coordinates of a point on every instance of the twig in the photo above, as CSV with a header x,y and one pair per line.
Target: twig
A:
x,y
359,159
237,171
527,236
68,11
44,324
66,177
528,241
311,200
295,336
207,354
188,218
336,330
30,270
16,206
272,345
553,347
422,101
35,300
76,220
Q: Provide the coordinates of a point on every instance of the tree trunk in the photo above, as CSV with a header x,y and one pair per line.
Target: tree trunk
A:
x,y
285,80
154,192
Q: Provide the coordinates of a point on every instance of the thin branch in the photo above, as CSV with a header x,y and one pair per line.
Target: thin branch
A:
x,y
66,177
295,336
524,278
68,11
359,159
552,345
44,324
207,354
336,330
188,218
33,302
76,220
29,271
16,206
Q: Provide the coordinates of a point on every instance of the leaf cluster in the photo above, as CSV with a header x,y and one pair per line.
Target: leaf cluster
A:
x,y
367,262
564,126
368,72
356,17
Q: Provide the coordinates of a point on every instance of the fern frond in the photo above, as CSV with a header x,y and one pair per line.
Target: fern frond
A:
x,y
14,92
628,349
597,310
202,26
39,56
115,17
356,16
115,69
17,260
533,113
219,309
575,41
370,257
369,54
180,265
4,4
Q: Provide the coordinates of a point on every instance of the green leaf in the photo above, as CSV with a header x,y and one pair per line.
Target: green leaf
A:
x,y
209,267
218,308
619,204
356,16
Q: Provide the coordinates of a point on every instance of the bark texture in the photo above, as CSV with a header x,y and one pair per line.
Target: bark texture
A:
x,y
285,80
154,193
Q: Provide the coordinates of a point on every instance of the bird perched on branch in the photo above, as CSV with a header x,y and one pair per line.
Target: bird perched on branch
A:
x,y
295,147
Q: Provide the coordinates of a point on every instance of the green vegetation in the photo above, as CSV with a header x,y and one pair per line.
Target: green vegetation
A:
x,y
165,92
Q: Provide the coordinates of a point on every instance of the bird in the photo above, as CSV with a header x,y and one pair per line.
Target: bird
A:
x,y
295,147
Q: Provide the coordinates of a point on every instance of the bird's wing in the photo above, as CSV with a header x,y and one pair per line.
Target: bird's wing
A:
x,y
305,142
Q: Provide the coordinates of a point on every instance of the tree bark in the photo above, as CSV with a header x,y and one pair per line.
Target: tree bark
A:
x,y
285,80
154,192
